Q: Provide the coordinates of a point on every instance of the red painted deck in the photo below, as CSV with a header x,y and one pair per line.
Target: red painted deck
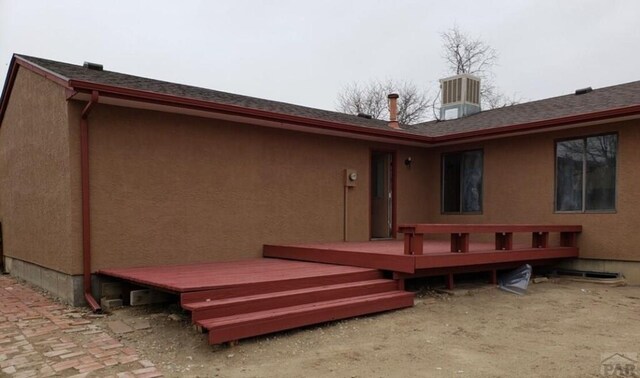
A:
x,y
231,274
239,299
298,285
436,255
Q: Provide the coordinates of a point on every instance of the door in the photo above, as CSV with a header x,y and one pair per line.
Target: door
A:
x,y
381,195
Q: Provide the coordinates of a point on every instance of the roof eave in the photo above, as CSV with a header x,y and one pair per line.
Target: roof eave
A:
x,y
540,126
391,135
165,99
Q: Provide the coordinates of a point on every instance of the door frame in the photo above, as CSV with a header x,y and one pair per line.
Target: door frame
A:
x,y
394,186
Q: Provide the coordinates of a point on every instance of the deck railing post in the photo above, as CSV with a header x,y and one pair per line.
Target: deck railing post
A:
x,y
407,243
504,241
540,240
417,243
413,243
460,242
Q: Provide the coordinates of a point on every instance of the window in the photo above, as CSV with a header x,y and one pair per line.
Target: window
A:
x,y
462,182
586,173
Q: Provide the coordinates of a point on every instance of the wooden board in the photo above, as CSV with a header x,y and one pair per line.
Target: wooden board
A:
x,y
217,275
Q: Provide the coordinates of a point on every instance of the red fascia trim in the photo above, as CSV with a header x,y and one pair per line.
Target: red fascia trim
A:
x,y
163,99
544,124
55,77
8,86
13,73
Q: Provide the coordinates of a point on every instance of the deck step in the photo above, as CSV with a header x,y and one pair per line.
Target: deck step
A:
x,y
235,327
260,302
277,285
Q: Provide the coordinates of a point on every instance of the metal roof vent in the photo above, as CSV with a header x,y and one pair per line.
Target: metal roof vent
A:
x,y
364,115
93,66
460,96
582,91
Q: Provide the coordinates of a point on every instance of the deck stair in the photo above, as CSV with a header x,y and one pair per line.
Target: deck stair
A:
x,y
234,313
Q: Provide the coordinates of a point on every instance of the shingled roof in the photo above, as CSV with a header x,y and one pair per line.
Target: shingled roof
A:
x,y
596,102
601,99
77,72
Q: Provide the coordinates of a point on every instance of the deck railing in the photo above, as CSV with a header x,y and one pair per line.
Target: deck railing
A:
x,y
414,235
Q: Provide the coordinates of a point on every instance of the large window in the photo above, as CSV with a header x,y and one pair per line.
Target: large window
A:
x,y
586,173
462,182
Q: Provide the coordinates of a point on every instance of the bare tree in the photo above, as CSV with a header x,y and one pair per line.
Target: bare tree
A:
x,y
371,98
465,54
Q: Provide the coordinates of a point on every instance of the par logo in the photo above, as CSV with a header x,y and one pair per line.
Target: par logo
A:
x,y
619,365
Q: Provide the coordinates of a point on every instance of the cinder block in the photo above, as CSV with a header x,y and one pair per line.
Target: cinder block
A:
x,y
111,290
110,304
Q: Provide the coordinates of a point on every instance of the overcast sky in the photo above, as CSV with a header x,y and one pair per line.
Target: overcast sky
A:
x,y
305,52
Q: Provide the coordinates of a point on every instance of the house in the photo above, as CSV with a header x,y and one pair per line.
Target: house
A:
x,y
141,172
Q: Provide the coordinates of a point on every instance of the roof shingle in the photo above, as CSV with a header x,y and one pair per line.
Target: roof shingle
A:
x,y
617,96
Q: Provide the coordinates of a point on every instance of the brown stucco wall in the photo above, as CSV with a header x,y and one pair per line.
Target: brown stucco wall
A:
x,y
519,188
35,179
169,188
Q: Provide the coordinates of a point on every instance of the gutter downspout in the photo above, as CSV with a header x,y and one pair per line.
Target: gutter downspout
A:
x,y
84,175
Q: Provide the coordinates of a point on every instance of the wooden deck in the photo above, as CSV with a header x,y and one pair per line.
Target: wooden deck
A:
x,y
436,255
298,285
239,299
232,274
419,254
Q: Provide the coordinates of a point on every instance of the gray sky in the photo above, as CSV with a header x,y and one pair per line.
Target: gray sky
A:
x,y
305,52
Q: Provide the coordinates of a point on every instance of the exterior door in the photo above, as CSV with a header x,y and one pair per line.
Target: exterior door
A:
x,y
381,195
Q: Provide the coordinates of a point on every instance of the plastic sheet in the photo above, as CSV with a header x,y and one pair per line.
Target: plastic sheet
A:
x,y
516,281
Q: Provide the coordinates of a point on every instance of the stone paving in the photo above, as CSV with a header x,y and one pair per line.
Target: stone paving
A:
x,y
42,338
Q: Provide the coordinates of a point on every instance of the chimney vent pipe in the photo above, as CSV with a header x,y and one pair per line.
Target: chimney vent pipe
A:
x,y
393,111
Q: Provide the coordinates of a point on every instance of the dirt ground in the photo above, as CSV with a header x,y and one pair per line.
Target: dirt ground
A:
x,y
559,328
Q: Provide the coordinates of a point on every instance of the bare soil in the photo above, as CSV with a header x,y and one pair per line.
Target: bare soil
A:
x,y
559,328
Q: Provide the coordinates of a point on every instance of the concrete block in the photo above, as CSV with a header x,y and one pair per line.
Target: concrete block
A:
x,y
111,290
110,304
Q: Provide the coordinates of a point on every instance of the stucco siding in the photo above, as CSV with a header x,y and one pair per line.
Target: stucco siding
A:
x,y
35,179
169,189
519,188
